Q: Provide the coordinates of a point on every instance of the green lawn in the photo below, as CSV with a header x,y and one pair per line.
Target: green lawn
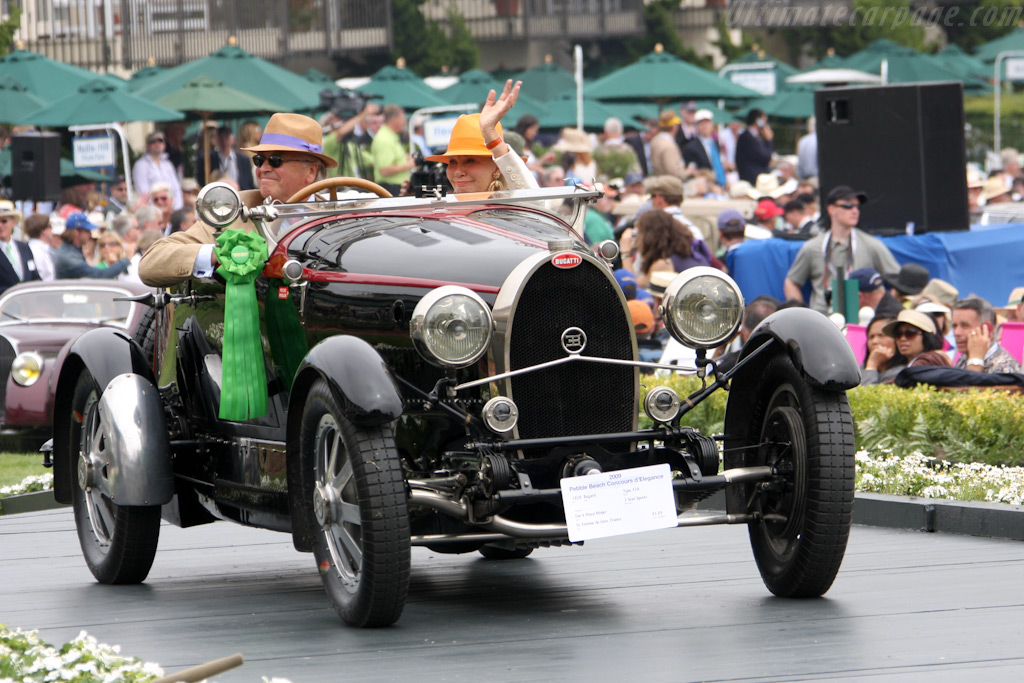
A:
x,y
16,466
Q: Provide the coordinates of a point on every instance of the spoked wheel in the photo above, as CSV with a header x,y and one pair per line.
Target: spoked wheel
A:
x,y
119,542
352,480
806,436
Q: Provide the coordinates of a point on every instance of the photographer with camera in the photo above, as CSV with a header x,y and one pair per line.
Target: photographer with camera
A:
x,y
392,163
345,136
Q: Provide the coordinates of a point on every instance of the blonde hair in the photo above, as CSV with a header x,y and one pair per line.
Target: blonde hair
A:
x,y
249,135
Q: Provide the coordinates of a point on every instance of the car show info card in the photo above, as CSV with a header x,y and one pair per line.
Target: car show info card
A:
x,y
620,502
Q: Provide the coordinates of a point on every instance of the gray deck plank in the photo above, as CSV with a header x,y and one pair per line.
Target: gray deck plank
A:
x,y
675,605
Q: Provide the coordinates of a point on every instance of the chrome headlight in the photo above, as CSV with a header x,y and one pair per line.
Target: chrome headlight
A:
x,y
451,327
218,204
27,368
702,307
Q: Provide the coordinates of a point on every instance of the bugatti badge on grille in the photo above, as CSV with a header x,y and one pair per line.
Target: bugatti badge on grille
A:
x,y
566,260
574,340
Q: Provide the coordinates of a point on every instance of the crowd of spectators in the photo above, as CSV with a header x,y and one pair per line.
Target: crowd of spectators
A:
x,y
682,157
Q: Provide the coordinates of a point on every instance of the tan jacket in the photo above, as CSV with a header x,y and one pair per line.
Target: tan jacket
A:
x,y
172,259
666,159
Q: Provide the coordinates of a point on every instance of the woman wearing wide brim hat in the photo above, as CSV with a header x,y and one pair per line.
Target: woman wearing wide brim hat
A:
x,y
478,159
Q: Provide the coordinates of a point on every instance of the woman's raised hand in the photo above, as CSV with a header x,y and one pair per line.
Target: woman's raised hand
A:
x,y
495,107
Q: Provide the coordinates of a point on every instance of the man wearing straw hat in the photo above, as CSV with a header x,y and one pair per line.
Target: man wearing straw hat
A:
x,y
289,157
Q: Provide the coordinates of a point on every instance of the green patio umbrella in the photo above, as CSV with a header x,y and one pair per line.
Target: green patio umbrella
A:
x,y
473,87
148,71
397,85
238,69
785,104
204,96
97,101
987,52
561,113
546,82
45,78
319,78
782,68
663,77
15,99
905,64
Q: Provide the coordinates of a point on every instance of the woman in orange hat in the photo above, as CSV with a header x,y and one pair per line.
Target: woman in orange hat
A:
x,y
478,158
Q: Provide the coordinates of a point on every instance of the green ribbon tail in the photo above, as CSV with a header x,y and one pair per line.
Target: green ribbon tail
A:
x,y
244,379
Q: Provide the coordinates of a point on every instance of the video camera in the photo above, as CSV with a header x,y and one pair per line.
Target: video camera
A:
x,y
344,103
427,174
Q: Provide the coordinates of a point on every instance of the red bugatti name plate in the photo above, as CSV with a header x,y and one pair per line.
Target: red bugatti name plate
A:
x,y
566,260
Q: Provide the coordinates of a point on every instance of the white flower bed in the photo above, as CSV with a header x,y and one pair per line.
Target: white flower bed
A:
x,y
27,659
31,484
917,475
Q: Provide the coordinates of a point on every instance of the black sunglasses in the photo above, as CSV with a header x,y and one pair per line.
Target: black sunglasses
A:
x,y
275,160
906,333
847,205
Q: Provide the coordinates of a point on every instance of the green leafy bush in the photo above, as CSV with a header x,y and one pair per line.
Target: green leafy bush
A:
x,y
979,425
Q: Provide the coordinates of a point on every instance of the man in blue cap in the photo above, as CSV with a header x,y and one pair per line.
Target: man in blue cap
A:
x,y
69,261
873,293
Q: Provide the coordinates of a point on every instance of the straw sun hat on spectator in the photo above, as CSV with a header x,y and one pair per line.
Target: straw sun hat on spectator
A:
x,y
573,140
921,321
7,208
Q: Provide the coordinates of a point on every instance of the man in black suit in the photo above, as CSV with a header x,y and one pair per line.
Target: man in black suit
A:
x,y
754,147
17,264
641,144
234,165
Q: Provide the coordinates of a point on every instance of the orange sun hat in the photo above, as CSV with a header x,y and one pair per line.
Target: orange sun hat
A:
x,y
466,140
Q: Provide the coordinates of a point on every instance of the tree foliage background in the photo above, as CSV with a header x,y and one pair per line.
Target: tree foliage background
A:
x,y
8,28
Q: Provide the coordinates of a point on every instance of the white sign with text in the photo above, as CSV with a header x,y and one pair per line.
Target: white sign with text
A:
x,y
621,502
1015,69
93,151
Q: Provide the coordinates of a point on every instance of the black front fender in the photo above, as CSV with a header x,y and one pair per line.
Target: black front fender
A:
x,y
106,353
358,377
814,344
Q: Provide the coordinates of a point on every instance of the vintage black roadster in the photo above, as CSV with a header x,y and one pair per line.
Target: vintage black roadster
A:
x,y
449,372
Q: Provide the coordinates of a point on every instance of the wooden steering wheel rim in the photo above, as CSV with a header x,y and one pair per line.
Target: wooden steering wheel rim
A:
x,y
340,181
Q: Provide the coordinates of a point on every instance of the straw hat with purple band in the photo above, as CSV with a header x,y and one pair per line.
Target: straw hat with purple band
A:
x,y
466,140
293,133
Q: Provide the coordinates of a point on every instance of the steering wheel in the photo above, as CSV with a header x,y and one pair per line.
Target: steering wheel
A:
x,y
333,183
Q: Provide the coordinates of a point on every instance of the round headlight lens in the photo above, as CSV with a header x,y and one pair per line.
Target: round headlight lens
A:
x,y
451,326
702,307
27,368
500,414
218,204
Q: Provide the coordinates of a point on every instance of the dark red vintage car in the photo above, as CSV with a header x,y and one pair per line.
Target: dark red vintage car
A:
x,y
37,320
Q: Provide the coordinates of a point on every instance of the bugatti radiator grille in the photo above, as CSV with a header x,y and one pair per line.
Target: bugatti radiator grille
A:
x,y
573,398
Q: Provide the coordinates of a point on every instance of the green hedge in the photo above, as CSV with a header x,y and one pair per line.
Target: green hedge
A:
x,y
963,426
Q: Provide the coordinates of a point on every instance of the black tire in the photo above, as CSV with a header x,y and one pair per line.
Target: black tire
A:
x,y
145,332
807,434
119,542
497,552
354,494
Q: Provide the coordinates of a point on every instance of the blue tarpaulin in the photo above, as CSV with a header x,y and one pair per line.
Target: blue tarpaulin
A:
x,y
987,262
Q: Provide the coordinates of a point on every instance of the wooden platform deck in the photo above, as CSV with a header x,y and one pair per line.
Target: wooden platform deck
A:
x,y
676,605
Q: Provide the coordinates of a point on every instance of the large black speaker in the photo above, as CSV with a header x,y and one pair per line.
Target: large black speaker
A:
x,y
901,144
35,167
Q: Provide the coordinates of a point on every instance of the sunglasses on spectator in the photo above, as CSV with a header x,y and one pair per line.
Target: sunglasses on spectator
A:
x,y
907,333
274,160
847,205
109,244
161,198
7,219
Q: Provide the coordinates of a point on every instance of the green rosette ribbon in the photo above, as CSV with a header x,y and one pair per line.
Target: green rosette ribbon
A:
x,y
243,392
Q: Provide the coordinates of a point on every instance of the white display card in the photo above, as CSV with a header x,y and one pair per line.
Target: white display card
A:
x,y
620,502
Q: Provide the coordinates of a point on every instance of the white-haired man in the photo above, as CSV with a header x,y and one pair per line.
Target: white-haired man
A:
x,y
289,158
